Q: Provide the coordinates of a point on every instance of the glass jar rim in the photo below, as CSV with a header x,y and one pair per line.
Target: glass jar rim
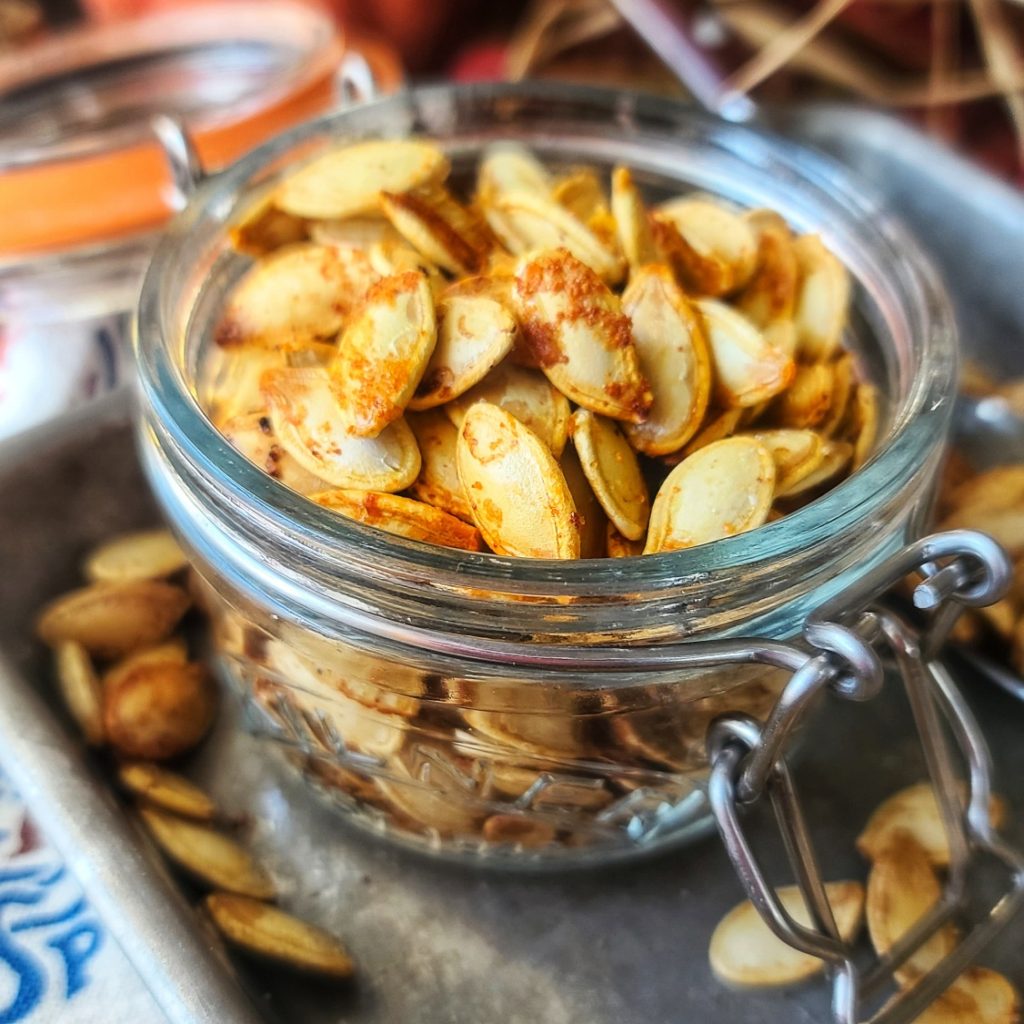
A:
x,y
918,428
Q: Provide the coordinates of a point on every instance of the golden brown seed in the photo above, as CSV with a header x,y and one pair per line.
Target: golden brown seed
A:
x,y
349,180
746,953
747,368
613,471
158,710
447,233
617,546
807,400
113,619
438,483
717,234
167,790
474,334
541,223
720,427
581,338
978,996
518,830
797,454
229,380
771,293
632,222
313,429
81,690
432,791
916,811
823,300
527,395
253,436
721,490
902,889
508,167
581,193
174,651
866,420
674,359
269,933
207,855
590,517
402,517
146,555
296,295
263,228
517,492
836,457
383,352
359,232
844,380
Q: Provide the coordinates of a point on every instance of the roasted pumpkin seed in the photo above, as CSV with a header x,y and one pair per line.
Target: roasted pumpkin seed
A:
x,y
438,483
383,353
403,517
207,855
721,490
113,619
632,222
474,334
582,339
823,300
146,555
718,428
614,474
271,934
350,180
313,429
674,359
807,400
797,454
717,234
518,830
746,953
355,232
295,295
866,421
253,436
617,546
158,710
518,495
174,650
527,395
81,690
442,229
590,516
836,456
902,889
747,368
167,790
770,295
915,810
541,223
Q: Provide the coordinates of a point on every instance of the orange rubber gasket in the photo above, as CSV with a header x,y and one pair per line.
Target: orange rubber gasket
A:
x,y
87,198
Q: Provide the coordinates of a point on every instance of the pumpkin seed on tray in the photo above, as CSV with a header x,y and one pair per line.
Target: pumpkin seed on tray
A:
x,y
558,300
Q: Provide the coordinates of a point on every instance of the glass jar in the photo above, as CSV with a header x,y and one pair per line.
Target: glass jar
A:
x,y
517,711
85,186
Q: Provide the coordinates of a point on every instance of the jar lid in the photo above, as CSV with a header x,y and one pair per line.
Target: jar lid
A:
x,y
79,162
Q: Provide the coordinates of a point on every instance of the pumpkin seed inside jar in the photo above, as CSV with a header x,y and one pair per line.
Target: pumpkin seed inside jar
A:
x,y
543,363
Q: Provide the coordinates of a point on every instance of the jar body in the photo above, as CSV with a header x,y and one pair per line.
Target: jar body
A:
x,y
468,704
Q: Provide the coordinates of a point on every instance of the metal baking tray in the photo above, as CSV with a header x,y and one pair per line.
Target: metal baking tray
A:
x,y
437,943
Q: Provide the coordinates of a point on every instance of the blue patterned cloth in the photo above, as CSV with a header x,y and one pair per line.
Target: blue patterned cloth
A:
x,y
56,961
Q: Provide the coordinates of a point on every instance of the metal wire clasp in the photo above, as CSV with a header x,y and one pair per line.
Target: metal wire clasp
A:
x,y
846,639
